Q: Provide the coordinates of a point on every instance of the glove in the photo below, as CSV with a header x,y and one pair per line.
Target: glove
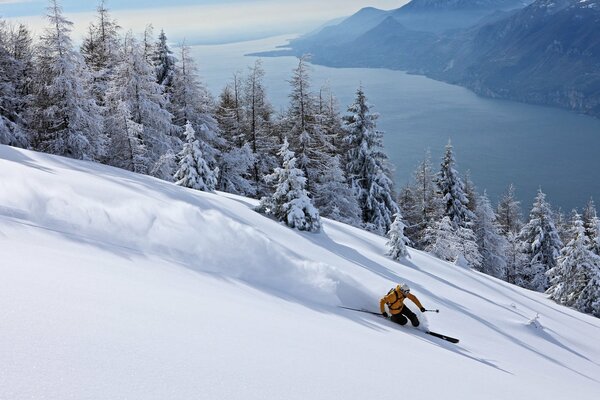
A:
x,y
385,315
423,309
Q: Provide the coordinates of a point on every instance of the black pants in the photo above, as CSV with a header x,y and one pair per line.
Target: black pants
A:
x,y
405,313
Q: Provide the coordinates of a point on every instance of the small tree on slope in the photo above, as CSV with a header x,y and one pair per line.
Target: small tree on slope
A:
x,y
290,202
452,191
591,224
492,245
575,281
194,171
541,246
334,198
398,242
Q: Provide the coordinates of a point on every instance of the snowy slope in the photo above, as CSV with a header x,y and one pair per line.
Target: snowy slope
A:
x,y
119,286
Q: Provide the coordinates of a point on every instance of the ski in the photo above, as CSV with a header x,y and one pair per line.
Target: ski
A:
x,y
437,335
361,310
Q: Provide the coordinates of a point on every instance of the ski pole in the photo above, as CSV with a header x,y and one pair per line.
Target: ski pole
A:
x,y
437,311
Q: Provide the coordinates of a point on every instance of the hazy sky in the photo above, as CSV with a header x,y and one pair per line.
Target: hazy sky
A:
x,y
200,20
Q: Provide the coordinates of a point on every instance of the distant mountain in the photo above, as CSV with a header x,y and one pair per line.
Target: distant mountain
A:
x,y
547,52
346,31
443,15
431,5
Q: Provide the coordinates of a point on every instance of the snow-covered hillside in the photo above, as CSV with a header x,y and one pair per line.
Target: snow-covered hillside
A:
x,y
119,286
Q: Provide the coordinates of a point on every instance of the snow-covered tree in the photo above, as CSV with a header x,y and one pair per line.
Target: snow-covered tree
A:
x,y
290,202
397,240
515,258
455,202
330,120
236,159
126,148
562,223
64,113
234,164
191,102
591,223
408,204
228,115
452,192
257,125
575,280
16,71
307,136
509,216
194,172
541,245
367,166
424,202
470,192
443,241
100,50
164,62
334,198
492,245
10,131
134,83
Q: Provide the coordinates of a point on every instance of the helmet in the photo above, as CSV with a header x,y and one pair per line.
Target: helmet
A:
x,y
403,287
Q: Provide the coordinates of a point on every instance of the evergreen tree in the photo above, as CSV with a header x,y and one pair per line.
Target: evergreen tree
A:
x,y
228,118
148,44
452,192
127,149
16,73
492,245
100,50
290,202
328,117
164,62
575,280
135,85
334,198
515,258
234,164
443,241
563,224
194,172
367,166
307,135
397,240
257,126
190,102
509,216
428,204
64,112
455,206
237,158
471,193
541,246
409,208
591,223
11,125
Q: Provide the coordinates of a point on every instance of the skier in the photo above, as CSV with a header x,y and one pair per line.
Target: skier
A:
x,y
395,302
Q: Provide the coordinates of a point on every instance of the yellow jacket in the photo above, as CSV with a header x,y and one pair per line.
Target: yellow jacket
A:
x,y
395,301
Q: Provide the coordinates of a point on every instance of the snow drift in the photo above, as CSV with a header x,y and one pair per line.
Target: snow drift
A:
x,y
116,285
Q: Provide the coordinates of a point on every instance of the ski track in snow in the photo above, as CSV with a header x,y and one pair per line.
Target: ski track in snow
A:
x,y
116,285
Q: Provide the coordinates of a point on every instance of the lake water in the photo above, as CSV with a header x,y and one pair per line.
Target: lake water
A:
x,y
499,142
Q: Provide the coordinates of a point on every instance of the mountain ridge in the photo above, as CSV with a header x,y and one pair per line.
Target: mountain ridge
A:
x,y
546,53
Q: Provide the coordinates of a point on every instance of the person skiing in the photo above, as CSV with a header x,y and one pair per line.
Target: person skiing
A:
x,y
395,302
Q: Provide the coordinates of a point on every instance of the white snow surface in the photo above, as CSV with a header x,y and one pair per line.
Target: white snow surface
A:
x,y
120,286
